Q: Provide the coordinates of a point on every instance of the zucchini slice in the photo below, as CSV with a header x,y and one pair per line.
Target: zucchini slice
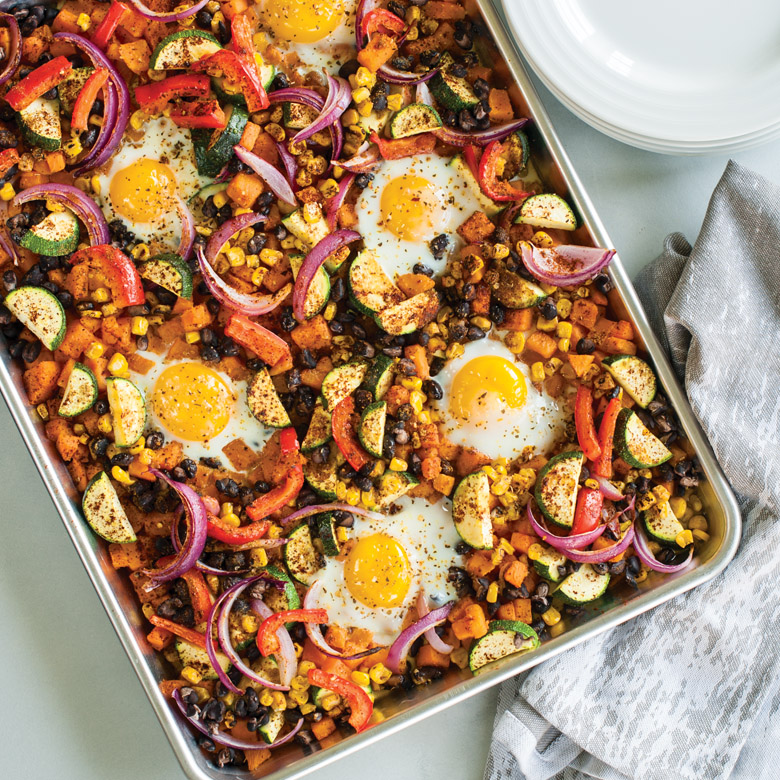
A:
x,y
264,402
320,431
296,116
548,562
636,445
104,511
319,291
170,272
634,375
410,315
281,600
547,211
213,149
322,477
128,410
471,511
370,289
341,382
453,92
301,557
372,428
81,392
514,292
269,731
56,235
68,89
489,206
414,119
504,638
40,124
393,485
557,486
311,233
198,658
662,524
583,586
40,311
326,528
379,377
181,49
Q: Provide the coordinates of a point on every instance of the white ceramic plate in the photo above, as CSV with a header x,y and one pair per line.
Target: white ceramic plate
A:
x,y
672,75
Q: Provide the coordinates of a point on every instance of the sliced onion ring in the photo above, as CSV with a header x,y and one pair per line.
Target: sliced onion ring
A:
x,y
337,201
315,509
434,640
187,230
226,739
567,265
289,162
394,76
8,247
337,102
563,543
285,657
308,97
602,556
268,173
312,262
364,161
608,490
400,648
12,59
176,16
646,555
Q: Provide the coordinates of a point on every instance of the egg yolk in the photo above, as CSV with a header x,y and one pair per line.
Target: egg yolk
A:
x,y
377,571
486,384
143,190
303,21
412,208
192,402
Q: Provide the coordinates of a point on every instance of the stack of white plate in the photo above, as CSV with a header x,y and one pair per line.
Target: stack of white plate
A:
x,y
674,76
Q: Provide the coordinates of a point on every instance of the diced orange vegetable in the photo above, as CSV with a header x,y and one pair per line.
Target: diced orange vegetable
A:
x,y
380,49
250,135
602,543
516,572
470,459
598,297
476,228
323,728
518,319
66,21
55,161
431,467
314,334
522,542
411,284
419,357
623,330
480,563
600,330
32,179
99,367
35,44
523,610
117,333
427,656
312,377
441,10
40,381
584,312
616,346
501,109
265,147
245,188
542,343
441,40
136,56
481,304
139,364
77,339
196,318
159,638
580,363
472,625
444,484
232,8
396,397
65,373
67,445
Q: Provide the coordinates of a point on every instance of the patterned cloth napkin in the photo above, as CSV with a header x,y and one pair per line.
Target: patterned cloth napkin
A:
x,y
691,689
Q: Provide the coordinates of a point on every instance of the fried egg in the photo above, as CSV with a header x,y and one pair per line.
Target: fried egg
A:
x,y
489,403
197,405
318,33
409,203
144,179
386,563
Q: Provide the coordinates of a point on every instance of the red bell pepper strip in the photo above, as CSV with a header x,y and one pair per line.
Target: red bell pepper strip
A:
x,y
265,344
188,634
267,643
587,514
583,421
107,27
404,147
380,20
37,83
86,98
602,466
358,700
345,437
242,44
491,185
200,595
471,155
199,114
156,95
8,158
238,72
120,272
218,529
284,492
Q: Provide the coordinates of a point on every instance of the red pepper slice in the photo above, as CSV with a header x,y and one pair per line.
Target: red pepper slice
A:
x,y
243,45
107,27
120,272
380,20
228,534
488,176
602,466
587,515
288,441
188,634
287,490
471,155
583,421
358,700
265,344
267,643
405,147
8,158
86,98
157,94
200,595
236,71
37,83
199,114
345,437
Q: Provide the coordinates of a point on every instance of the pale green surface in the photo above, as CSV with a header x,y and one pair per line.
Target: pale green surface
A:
x,y
72,708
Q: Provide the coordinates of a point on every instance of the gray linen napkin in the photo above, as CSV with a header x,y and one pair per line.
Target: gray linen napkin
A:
x,y
692,688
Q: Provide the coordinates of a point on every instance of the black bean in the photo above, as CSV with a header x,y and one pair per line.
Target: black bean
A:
x,y
437,364
602,283
363,483
430,58
475,333
98,447
362,180
402,63
226,756
439,245
288,321
462,309
393,352
122,459
433,389
5,315
31,351
349,68
548,309
633,565
388,448
497,313
585,347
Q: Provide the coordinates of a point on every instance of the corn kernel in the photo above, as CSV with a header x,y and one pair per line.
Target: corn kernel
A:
x,y
305,666
698,523
43,411
341,535
546,326
341,490
193,337
592,484
307,709
84,22
684,538
140,252
353,496
121,476
699,535
678,506
379,674
137,448
191,675
500,251
424,417
552,365
492,593
278,701
515,340
145,457
364,77
564,345
551,616
660,492
7,192
236,256
232,519
412,382
101,295
104,424
542,240
108,309
417,399
95,350
117,366
500,486
139,326
259,557
330,702
220,199
564,308
367,498
271,256
394,102
300,682
646,502
694,502
563,330
137,121
582,292
265,698
396,464
365,108
537,372
535,551
298,698
360,678
360,94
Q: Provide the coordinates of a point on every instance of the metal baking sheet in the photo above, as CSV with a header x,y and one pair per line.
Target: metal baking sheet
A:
x,y
401,709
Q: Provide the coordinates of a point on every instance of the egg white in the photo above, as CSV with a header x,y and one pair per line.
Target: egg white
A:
x,y
242,424
456,204
501,432
428,536
165,142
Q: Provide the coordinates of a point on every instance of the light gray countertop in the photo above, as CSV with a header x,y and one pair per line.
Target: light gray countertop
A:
x,y
71,706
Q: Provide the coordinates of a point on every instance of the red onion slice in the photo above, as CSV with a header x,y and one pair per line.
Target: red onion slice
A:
x,y
400,648
337,102
563,543
646,556
8,247
337,201
364,161
270,175
290,164
187,229
567,265
316,509
434,640
177,16
364,7
285,658
602,556
197,524
608,490
394,76
312,262
226,739
14,57
81,204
